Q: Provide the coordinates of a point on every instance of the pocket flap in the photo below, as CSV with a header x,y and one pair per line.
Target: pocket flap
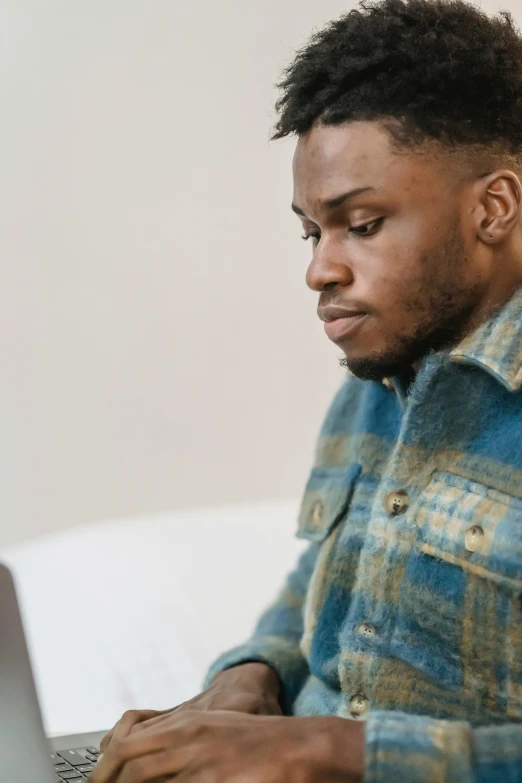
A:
x,y
326,499
452,508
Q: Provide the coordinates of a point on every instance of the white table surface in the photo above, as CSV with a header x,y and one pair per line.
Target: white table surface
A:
x,y
130,613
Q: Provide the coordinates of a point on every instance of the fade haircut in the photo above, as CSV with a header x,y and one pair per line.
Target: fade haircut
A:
x,y
439,71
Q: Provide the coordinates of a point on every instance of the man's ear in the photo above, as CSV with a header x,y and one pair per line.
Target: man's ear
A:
x,y
499,209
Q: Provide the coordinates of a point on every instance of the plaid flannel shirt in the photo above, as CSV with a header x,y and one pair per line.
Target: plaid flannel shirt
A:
x,y
406,608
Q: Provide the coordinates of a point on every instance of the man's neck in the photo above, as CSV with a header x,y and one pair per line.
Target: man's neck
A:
x,y
482,313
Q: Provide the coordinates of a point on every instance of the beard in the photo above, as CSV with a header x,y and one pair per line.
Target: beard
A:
x,y
441,311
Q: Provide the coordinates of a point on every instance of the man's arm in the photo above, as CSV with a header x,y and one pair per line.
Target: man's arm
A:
x,y
277,636
259,748
419,749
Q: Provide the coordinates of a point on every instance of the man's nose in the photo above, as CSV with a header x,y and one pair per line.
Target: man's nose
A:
x,y
326,269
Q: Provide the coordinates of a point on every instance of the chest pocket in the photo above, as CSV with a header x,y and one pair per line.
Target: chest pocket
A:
x,y
473,526
326,500
460,612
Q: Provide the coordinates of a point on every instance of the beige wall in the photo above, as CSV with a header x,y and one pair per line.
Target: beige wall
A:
x,y
159,348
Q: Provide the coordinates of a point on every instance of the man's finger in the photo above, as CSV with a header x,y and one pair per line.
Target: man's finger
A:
x,y
155,720
122,752
127,721
123,728
130,719
156,767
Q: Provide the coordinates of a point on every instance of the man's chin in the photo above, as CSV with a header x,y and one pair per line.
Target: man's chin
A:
x,y
376,368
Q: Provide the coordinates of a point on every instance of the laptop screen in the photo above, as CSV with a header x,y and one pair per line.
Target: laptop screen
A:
x,y
24,750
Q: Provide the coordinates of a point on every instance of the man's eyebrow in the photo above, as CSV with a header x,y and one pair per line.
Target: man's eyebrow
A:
x,y
333,203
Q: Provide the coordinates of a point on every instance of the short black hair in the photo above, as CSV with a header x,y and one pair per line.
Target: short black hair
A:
x,y
439,70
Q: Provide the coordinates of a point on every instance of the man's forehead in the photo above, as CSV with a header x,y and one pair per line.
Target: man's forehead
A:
x,y
330,160
326,147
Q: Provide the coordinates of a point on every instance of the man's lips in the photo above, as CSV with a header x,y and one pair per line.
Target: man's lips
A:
x,y
339,322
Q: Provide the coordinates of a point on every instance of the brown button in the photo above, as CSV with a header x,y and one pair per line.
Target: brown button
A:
x,y
474,538
317,513
396,502
389,385
359,705
365,629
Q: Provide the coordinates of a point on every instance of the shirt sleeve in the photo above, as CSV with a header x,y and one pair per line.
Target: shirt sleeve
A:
x,y
277,636
419,749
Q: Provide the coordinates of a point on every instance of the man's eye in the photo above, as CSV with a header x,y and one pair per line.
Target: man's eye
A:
x,y
372,227
365,230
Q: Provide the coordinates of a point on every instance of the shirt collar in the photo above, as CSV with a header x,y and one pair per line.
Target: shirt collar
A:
x,y
496,345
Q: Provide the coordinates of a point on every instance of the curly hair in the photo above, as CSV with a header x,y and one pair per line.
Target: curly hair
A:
x,y
440,70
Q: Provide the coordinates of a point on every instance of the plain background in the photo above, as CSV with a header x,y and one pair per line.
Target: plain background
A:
x,y
159,348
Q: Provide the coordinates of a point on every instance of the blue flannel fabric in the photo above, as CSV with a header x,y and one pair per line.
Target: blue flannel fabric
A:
x,y
406,608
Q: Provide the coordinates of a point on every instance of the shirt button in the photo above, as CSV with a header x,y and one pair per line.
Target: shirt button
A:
x,y
474,538
359,705
317,513
396,502
366,629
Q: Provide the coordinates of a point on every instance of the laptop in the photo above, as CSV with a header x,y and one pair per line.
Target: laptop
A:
x,y
26,755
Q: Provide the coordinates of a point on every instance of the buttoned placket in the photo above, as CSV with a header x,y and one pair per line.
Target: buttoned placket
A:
x,y
392,519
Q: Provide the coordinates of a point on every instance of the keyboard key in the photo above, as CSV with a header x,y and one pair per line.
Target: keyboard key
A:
x,y
62,767
71,774
85,768
73,757
91,758
94,751
83,752
55,759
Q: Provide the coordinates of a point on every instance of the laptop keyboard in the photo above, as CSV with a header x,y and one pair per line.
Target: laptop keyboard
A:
x,y
74,766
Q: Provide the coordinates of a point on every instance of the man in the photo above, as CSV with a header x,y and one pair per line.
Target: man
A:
x,y
394,651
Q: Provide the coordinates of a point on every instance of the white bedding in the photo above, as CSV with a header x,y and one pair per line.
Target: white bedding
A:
x,y
130,613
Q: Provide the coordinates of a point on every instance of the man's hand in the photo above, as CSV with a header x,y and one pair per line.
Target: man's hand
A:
x,y
229,747
252,688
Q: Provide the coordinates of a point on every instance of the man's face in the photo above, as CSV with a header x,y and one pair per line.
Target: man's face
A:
x,y
395,254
